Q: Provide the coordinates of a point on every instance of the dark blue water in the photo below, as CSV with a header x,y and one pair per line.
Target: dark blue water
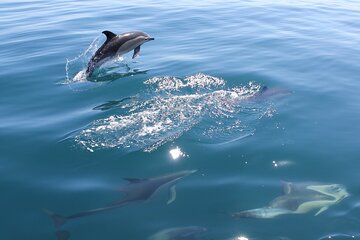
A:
x,y
193,99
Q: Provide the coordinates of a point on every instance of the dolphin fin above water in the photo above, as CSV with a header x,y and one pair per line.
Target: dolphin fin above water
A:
x,y
137,190
109,35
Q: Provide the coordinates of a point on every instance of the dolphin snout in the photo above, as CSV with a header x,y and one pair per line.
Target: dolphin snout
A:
x,y
151,38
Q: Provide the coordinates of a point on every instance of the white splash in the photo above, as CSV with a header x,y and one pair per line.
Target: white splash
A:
x,y
152,122
80,76
199,80
73,65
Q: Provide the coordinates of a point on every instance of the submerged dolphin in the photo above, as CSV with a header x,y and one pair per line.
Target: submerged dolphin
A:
x,y
117,45
62,235
137,190
299,198
180,233
265,92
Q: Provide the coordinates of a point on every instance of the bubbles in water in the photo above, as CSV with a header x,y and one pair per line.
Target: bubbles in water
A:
x,y
211,111
199,80
74,68
80,76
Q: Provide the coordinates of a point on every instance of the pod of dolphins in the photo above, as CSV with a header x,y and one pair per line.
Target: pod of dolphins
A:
x,y
138,190
297,198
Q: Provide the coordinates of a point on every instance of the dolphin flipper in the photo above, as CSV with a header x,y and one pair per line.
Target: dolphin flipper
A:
x,y
323,189
136,52
172,194
321,210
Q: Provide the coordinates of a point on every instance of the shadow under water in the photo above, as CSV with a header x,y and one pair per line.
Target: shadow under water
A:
x,y
105,74
114,104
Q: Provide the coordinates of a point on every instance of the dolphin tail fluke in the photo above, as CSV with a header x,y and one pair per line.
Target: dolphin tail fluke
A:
x,y
57,219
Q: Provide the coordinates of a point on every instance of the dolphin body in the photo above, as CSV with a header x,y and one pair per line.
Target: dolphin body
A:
x,y
117,45
299,198
138,190
265,92
180,233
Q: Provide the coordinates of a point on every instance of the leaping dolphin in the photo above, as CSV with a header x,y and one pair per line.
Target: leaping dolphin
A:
x,y
138,190
299,198
117,45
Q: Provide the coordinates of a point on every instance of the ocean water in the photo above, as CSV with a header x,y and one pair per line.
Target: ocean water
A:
x,y
251,94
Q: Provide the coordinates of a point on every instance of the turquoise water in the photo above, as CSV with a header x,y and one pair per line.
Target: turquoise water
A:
x,y
194,99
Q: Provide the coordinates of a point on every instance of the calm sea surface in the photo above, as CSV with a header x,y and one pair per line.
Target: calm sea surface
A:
x,y
249,93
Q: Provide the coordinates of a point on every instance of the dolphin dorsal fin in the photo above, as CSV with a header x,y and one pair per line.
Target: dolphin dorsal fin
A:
x,y
134,180
286,187
109,35
172,194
